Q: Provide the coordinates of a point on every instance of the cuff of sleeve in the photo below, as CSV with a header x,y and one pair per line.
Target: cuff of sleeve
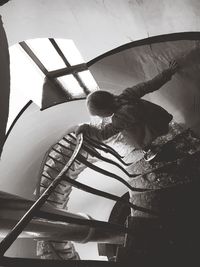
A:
x,y
167,74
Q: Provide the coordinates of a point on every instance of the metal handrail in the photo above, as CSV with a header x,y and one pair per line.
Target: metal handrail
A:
x,y
110,174
104,147
110,196
92,151
93,223
28,216
34,211
13,262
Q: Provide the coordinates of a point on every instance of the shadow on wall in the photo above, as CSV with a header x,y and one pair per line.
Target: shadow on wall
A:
x,y
180,96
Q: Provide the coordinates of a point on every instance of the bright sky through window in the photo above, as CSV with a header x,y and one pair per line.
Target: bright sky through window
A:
x,y
69,82
46,53
87,77
70,51
27,79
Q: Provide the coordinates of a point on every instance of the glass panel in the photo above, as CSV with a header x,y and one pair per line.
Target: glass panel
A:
x,y
70,51
46,53
71,85
88,80
26,81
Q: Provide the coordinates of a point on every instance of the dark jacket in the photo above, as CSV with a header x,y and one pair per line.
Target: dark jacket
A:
x,y
134,111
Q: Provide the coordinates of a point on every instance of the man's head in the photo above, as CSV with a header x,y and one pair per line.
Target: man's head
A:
x,y
101,103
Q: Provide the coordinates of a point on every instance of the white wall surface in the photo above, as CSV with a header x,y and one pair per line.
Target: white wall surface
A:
x,y
97,26
31,137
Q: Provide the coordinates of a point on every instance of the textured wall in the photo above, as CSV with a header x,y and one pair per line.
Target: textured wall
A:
x,y
101,25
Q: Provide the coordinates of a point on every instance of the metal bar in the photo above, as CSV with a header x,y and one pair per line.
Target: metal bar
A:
x,y
68,141
19,227
104,145
56,160
97,192
30,53
55,191
105,149
55,169
76,76
67,71
59,51
87,222
53,201
13,262
93,152
47,177
110,174
63,154
65,146
49,166
81,83
51,178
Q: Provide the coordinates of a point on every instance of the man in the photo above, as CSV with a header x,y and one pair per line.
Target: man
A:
x,y
140,121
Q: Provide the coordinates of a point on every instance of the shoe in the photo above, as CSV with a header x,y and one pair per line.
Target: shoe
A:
x,y
149,155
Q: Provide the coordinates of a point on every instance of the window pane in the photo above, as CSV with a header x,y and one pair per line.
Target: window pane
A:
x,y
71,85
26,81
46,53
88,80
70,51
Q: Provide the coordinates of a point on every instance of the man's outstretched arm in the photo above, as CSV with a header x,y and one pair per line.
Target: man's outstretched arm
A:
x,y
100,134
154,84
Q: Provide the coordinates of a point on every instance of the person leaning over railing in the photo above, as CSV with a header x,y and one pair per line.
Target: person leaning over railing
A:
x,y
4,81
140,121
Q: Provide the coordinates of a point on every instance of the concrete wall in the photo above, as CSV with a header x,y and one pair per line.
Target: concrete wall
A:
x,y
101,25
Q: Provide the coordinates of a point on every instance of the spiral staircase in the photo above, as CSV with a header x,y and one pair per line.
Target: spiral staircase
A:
x,y
163,202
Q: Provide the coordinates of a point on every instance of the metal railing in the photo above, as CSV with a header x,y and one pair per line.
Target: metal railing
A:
x,y
91,147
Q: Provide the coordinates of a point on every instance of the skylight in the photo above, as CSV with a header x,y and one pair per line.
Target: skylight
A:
x,y
46,53
31,61
70,51
88,79
73,87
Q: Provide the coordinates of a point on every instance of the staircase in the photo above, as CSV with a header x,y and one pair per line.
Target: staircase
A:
x,y
163,228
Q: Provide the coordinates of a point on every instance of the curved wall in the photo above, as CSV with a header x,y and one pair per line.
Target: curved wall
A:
x,y
31,137
98,26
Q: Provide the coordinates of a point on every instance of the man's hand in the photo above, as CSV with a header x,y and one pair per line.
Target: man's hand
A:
x,y
84,129
174,66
